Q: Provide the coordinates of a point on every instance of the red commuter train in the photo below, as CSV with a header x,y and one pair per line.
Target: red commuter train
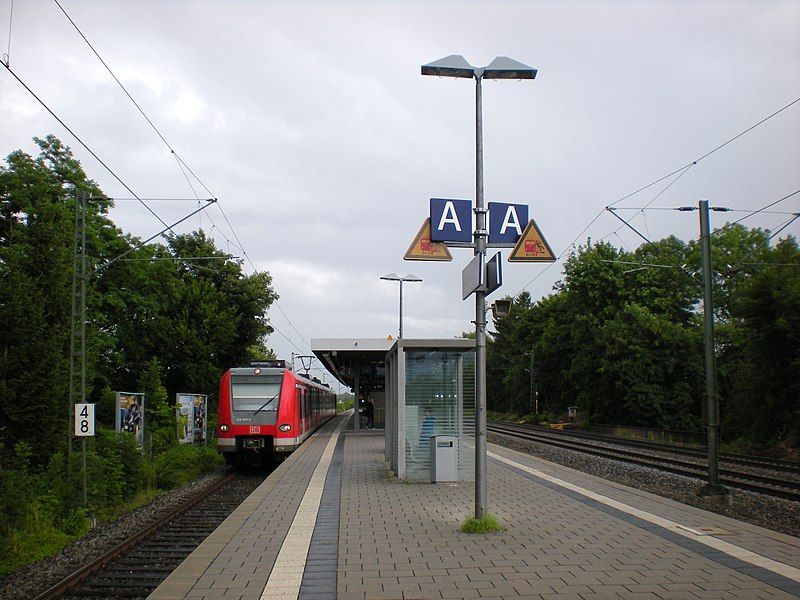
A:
x,y
266,411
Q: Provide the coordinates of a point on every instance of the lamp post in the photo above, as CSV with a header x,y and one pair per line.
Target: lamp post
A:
x,y
501,67
396,277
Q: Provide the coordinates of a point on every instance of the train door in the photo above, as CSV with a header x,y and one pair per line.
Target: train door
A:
x,y
309,425
301,409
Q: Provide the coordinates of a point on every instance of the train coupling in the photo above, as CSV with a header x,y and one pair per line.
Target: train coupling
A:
x,y
252,443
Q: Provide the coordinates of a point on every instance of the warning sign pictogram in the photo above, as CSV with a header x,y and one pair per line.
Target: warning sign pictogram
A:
x,y
422,248
532,247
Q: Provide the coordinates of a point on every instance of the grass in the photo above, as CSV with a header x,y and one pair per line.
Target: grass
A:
x,y
34,544
486,524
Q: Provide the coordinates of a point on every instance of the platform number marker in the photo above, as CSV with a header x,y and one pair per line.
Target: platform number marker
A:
x,y
84,420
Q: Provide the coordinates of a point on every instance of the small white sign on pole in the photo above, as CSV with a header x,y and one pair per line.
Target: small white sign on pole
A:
x,y
84,420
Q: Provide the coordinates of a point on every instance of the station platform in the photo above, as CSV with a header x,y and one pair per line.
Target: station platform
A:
x,y
333,522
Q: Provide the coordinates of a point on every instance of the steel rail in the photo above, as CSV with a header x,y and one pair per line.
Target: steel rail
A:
x,y
772,486
81,574
700,452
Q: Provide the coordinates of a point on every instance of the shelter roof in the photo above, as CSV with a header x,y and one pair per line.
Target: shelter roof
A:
x,y
346,357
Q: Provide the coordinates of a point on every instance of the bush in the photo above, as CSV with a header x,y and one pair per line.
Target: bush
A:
x,y
41,512
16,500
37,514
161,439
182,463
115,471
547,418
17,490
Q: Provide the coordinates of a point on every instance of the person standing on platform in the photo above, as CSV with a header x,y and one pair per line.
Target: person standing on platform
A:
x,y
427,429
369,410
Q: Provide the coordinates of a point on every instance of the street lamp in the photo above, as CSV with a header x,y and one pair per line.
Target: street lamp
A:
x,y
396,277
501,67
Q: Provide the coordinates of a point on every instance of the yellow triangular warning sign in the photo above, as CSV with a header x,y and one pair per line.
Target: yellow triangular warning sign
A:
x,y
422,248
532,247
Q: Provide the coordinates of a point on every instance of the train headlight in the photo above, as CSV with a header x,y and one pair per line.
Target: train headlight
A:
x,y
285,427
224,427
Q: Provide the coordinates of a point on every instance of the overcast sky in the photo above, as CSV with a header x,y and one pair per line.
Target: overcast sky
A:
x,y
311,123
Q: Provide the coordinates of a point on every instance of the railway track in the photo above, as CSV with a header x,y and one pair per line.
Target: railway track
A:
x,y
766,476
699,453
136,566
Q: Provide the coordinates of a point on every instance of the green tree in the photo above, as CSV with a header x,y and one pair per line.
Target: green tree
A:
x,y
36,240
197,318
650,373
761,362
160,427
617,339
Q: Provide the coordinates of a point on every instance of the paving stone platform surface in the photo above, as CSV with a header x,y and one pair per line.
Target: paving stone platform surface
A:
x,y
568,536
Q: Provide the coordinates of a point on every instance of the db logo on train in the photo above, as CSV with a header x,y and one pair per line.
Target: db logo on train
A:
x,y
255,429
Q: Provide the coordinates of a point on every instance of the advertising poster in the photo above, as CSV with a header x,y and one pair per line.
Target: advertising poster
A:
x,y
191,412
184,410
130,414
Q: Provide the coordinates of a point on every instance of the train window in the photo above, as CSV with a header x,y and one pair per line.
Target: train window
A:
x,y
260,395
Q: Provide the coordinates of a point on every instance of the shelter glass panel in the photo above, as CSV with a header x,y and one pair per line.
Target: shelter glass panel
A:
x,y
439,400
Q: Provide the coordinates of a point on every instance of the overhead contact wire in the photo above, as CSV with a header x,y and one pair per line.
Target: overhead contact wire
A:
x,y
785,225
684,168
100,58
710,152
755,212
82,143
181,163
560,256
657,249
681,172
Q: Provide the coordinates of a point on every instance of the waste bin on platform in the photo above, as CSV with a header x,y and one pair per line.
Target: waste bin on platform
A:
x,y
444,458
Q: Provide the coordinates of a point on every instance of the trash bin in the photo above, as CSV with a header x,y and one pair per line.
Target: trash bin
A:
x,y
444,458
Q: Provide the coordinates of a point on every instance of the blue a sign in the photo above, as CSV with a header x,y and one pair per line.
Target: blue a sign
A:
x,y
506,222
451,220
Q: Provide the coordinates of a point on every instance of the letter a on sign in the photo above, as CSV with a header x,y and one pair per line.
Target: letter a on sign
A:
x,y
532,247
451,220
422,248
506,222
449,216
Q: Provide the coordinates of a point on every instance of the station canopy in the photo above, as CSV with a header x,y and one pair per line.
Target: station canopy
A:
x,y
350,359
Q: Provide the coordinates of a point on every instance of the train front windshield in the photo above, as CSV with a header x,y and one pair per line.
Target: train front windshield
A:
x,y
255,393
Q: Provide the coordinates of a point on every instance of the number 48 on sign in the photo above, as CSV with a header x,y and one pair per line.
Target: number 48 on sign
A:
x,y
84,420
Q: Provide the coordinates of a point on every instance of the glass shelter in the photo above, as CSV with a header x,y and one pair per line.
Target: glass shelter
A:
x,y
430,391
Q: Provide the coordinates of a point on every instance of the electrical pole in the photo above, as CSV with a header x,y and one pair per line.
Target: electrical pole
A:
x,y
77,355
73,334
530,393
83,328
711,371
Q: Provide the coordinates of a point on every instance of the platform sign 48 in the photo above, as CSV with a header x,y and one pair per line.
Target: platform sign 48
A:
x,y
84,420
